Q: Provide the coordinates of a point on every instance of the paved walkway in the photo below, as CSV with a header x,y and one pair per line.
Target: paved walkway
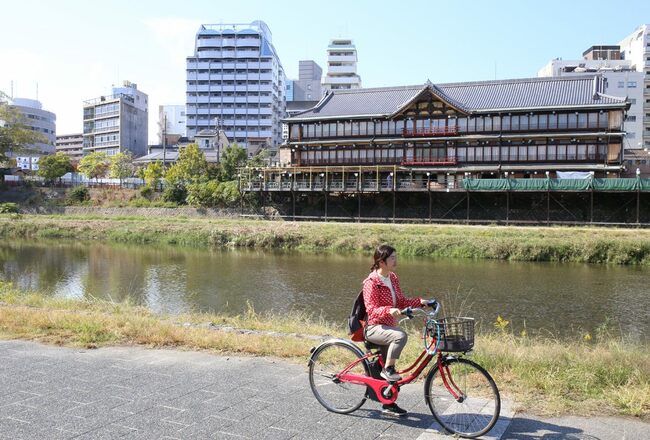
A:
x,y
135,393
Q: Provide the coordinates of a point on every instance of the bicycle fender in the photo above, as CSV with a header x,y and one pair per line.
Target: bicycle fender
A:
x,y
347,342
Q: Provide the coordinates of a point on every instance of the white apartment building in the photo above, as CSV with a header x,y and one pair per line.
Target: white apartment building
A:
x,y
236,83
175,118
71,145
636,49
620,79
117,123
341,66
38,120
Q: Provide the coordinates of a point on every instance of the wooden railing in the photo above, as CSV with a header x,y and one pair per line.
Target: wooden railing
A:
x,y
451,130
451,160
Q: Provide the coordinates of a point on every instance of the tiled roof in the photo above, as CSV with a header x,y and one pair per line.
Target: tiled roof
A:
x,y
502,95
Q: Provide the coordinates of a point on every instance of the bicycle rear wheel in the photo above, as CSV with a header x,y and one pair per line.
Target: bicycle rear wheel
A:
x,y
326,362
476,410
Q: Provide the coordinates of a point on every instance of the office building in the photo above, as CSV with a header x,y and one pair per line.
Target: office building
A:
x,y
308,85
71,145
341,66
117,123
236,83
41,121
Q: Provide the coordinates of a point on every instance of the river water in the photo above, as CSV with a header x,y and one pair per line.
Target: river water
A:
x,y
555,299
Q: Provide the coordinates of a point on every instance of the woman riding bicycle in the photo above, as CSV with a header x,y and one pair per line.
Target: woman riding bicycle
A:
x,y
384,300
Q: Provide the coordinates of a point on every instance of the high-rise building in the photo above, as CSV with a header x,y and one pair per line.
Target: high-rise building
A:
x,y
236,83
117,123
175,118
636,49
38,120
71,145
341,66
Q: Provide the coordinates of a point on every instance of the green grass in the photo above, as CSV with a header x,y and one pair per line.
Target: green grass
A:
x,y
602,375
561,244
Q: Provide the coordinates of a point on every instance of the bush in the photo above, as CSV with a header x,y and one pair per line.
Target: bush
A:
x,y
203,194
175,192
78,194
8,208
146,192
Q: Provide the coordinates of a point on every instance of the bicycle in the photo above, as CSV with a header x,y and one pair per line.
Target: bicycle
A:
x,y
461,395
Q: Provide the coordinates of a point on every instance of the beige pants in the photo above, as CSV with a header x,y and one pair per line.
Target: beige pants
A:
x,y
392,339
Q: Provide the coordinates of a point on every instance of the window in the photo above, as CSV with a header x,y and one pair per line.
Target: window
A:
x,y
631,84
621,84
630,118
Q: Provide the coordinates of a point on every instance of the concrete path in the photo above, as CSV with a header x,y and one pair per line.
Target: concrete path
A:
x,y
135,393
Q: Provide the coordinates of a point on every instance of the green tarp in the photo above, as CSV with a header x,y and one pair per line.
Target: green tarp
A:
x,y
633,184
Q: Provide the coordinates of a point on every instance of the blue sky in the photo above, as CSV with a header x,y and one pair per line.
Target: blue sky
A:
x,y
75,50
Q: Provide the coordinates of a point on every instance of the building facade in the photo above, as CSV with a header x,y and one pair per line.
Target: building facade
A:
x,y
308,86
117,123
172,120
620,78
636,49
71,145
41,121
236,83
341,66
518,128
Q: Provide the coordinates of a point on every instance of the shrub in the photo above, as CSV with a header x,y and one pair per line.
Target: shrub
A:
x,y
78,194
175,192
203,194
8,208
146,192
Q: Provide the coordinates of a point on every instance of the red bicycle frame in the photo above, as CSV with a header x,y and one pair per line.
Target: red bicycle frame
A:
x,y
381,386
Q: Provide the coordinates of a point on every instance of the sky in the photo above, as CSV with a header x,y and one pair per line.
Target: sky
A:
x,y
70,51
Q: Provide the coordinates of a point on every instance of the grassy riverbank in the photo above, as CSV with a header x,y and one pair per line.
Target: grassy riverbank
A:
x,y
574,244
603,375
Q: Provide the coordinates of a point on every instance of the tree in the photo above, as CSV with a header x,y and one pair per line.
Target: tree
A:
x,y
94,165
121,166
15,136
153,173
232,157
54,166
191,167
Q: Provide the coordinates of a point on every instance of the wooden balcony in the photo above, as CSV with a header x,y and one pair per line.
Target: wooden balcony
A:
x,y
451,160
431,131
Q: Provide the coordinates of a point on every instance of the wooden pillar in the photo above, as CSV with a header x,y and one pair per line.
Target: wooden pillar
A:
x,y
507,207
591,206
293,202
467,208
325,205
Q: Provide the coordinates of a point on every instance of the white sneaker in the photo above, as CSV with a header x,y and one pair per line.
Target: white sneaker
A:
x,y
390,374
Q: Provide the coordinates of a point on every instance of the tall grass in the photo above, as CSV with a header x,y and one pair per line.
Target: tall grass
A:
x,y
579,244
604,375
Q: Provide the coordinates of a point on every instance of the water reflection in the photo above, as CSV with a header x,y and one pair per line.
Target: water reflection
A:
x,y
562,298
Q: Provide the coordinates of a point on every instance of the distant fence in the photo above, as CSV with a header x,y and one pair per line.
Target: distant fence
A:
x,y
66,182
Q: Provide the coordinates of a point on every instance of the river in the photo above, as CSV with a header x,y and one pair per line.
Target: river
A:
x,y
554,299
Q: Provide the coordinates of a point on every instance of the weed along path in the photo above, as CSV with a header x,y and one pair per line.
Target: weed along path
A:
x,y
138,393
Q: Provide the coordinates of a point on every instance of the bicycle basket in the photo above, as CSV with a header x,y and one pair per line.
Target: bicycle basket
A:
x,y
456,333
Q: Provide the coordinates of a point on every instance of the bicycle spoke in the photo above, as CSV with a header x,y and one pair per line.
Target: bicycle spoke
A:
x,y
476,412
337,396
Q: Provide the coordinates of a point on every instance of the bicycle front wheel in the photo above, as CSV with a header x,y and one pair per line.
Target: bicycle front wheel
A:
x,y
327,361
478,405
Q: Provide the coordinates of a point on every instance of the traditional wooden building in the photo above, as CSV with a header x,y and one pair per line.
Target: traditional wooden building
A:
x,y
487,129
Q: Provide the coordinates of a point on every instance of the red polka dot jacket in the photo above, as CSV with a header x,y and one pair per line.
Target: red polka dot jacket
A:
x,y
379,299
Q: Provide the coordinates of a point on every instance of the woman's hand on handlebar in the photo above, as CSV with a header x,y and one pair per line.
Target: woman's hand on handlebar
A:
x,y
395,312
429,303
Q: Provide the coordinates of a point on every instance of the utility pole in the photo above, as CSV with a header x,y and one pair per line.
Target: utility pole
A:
x,y
164,139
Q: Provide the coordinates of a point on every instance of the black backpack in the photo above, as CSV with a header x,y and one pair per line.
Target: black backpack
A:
x,y
357,319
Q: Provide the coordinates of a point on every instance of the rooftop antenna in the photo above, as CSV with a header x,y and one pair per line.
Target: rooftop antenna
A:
x,y
37,91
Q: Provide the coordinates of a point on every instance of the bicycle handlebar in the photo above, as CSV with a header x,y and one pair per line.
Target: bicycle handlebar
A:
x,y
409,311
